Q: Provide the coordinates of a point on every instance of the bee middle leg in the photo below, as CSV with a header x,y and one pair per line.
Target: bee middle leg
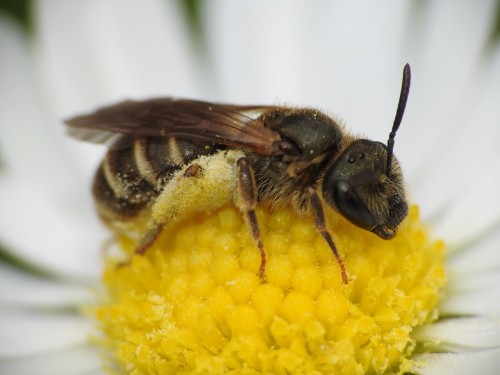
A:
x,y
246,202
320,222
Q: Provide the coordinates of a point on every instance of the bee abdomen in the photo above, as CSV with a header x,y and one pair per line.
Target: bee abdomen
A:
x,y
109,204
155,159
123,175
120,189
135,171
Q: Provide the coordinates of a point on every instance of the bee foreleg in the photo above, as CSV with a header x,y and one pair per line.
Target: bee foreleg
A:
x,y
148,239
246,202
319,220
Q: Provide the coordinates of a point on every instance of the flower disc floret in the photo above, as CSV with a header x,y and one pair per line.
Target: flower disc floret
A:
x,y
194,304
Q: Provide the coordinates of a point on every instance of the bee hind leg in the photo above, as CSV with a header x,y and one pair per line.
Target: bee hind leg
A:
x,y
148,239
246,202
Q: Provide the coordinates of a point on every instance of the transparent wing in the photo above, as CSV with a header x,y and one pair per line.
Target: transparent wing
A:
x,y
190,119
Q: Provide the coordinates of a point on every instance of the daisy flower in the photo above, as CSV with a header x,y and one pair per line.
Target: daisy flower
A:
x,y
62,311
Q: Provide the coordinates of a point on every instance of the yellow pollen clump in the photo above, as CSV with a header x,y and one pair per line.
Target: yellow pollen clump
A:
x,y
194,304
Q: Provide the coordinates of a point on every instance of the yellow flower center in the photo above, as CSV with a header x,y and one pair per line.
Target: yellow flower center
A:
x,y
194,304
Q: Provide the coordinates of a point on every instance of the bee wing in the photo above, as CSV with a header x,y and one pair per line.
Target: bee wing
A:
x,y
191,119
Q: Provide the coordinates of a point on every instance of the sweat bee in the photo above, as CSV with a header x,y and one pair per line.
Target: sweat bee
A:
x,y
285,155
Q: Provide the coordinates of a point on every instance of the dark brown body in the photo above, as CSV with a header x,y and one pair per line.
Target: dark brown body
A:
x,y
136,169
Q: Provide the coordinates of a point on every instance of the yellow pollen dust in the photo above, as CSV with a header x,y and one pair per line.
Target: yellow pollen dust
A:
x,y
194,304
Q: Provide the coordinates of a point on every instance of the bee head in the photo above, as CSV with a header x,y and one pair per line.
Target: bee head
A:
x,y
358,186
365,183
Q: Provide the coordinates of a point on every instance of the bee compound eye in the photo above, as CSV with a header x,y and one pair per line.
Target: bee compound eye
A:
x,y
351,206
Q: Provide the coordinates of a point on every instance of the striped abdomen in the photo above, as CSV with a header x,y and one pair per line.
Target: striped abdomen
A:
x,y
135,171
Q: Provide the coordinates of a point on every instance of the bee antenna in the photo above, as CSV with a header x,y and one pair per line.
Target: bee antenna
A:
x,y
403,98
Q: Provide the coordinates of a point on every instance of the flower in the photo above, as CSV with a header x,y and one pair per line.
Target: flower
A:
x,y
321,56
195,303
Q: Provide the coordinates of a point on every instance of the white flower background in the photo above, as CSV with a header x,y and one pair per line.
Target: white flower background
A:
x,y
343,57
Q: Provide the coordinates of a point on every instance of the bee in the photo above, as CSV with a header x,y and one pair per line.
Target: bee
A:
x,y
287,156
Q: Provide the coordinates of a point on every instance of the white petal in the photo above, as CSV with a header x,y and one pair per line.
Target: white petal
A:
x,y
92,52
480,301
48,232
462,334
451,38
484,362
478,257
22,289
77,360
452,104
46,208
468,171
291,51
28,137
33,140
29,332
